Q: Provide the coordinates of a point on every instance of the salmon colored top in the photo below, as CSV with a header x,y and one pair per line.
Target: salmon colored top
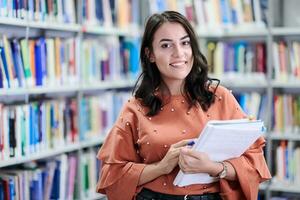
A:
x,y
137,140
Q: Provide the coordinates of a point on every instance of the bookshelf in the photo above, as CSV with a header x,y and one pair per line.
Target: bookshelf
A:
x,y
63,91
283,30
278,20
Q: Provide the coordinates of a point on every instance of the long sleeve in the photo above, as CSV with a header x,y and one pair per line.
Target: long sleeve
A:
x,y
251,168
121,164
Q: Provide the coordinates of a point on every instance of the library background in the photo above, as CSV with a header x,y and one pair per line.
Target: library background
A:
x,y
67,66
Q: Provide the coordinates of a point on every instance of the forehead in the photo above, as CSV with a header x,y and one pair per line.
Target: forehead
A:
x,y
169,30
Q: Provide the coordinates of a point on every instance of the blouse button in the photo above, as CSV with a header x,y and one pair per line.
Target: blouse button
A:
x,y
127,123
183,131
172,110
137,129
149,118
182,101
165,146
164,183
204,187
161,108
220,98
188,112
148,143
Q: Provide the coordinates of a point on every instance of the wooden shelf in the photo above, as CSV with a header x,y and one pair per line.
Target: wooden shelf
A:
x,y
291,84
55,26
233,31
280,187
285,31
67,89
96,196
288,136
133,31
246,81
40,25
107,85
53,152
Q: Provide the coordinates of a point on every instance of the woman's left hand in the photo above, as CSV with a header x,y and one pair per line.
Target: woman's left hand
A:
x,y
191,161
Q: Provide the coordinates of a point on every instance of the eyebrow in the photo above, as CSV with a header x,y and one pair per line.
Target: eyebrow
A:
x,y
169,40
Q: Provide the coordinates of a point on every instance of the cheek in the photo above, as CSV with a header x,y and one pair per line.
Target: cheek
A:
x,y
161,59
190,54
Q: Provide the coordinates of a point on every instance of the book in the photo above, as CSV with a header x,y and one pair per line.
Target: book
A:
x,y
222,140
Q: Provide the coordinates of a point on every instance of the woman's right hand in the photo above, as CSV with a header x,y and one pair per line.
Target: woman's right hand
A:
x,y
170,161
165,166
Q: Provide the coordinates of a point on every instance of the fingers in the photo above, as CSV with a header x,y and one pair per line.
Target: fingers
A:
x,y
182,143
183,164
174,152
190,152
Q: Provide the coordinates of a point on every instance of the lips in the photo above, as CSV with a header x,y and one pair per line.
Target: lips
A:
x,y
178,64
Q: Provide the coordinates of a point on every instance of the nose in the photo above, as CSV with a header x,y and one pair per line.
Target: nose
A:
x,y
178,50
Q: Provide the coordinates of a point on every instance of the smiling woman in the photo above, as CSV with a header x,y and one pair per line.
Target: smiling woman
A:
x,y
172,54
173,100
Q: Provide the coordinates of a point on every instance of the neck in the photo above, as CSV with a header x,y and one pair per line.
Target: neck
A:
x,y
174,87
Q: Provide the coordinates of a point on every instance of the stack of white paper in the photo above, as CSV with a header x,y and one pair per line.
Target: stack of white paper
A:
x,y
222,140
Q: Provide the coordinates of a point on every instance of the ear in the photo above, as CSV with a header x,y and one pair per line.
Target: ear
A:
x,y
149,55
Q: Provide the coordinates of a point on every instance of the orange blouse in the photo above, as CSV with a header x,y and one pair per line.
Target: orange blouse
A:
x,y
136,140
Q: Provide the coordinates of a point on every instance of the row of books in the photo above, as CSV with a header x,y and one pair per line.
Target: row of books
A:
x,y
124,13
43,126
108,13
91,169
55,178
210,14
51,61
36,127
55,11
100,112
37,62
286,118
107,59
287,164
253,104
240,57
286,60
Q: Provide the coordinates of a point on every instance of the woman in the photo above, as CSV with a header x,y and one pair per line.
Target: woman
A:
x,y
173,100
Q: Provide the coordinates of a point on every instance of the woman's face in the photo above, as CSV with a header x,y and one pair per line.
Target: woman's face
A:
x,y
172,52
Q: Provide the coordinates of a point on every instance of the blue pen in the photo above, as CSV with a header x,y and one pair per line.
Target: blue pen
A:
x,y
191,143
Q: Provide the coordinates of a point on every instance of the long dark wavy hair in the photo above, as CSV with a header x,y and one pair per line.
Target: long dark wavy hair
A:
x,y
196,85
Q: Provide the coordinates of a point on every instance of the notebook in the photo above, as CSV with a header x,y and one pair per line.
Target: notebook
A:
x,y
222,140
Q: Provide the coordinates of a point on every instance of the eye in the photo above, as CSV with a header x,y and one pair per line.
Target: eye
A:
x,y
166,45
187,42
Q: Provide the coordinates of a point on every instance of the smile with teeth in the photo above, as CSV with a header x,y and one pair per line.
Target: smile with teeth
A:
x,y
178,64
